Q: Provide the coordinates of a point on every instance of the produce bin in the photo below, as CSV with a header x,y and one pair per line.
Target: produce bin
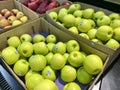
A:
x,y
13,4
112,52
40,25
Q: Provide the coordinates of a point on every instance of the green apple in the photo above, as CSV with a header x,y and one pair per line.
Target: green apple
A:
x,y
50,46
68,20
33,81
88,13
83,77
98,14
16,22
24,67
53,15
38,38
104,33
93,64
25,49
57,61
73,29
46,84
93,24
19,15
24,19
84,35
11,18
112,43
49,73
48,57
73,7
10,55
84,25
60,23
97,40
25,38
71,86
77,21
91,33
68,73
66,56
103,20
76,58
59,47
14,41
40,48
116,34
78,13
115,23
72,45
51,38
114,16
37,62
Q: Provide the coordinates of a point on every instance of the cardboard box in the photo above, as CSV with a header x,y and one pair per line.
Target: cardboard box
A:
x,y
41,25
113,53
13,4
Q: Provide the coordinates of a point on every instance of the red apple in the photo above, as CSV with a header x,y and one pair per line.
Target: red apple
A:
x,y
33,6
66,3
8,14
47,1
37,1
3,11
52,5
1,17
4,22
25,2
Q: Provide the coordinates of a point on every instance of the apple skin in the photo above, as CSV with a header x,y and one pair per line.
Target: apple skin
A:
x,y
73,29
104,33
51,38
68,73
25,38
38,38
49,73
97,15
25,49
33,6
115,23
83,77
77,21
4,22
24,19
53,15
113,44
37,62
93,23
11,18
48,57
116,34
19,15
91,33
66,3
97,41
50,46
93,64
40,48
78,13
8,14
84,35
86,11
72,45
21,71
3,11
14,41
114,16
16,22
15,11
10,55
72,86
76,59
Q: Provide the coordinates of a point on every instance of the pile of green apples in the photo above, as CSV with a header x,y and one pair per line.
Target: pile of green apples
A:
x,y
38,59
12,17
96,26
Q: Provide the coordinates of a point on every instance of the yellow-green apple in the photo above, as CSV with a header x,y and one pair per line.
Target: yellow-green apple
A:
x,y
59,23
25,49
21,67
49,73
10,55
38,38
53,15
84,35
15,11
68,20
4,22
73,29
26,38
77,21
66,56
103,20
83,77
50,46
104,33
71,86
97,40
68,73
115,23
11,18
116,34
46,84
78,13
93,24
33,81
114,16
3,11
16,22
72,45
93,64
98,14
112,43
40,48
88,13
76,58
51,38
91,33
24,19
84,25
48,57
37,62
14,41
19,15
73,7
57,61
59,47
